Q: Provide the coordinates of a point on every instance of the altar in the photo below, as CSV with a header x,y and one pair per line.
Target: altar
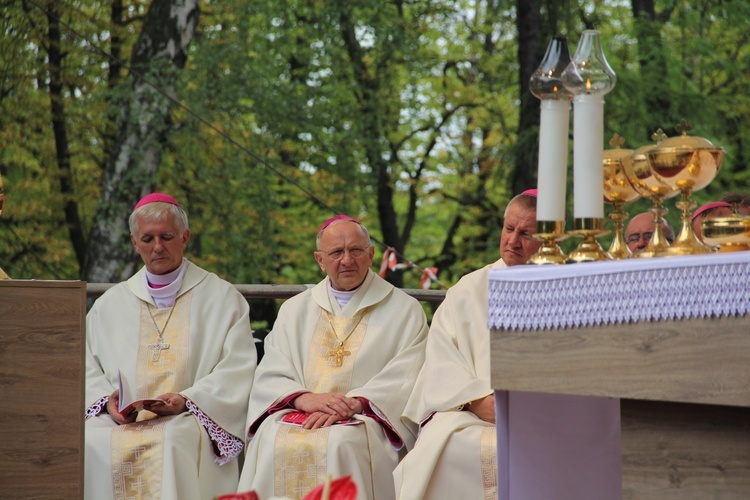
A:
x,y
669,339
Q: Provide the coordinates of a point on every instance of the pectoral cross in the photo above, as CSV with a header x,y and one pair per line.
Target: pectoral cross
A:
x,y
339,353
157,348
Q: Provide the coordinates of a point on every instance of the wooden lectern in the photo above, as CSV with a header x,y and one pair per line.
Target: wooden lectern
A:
x,y
42,371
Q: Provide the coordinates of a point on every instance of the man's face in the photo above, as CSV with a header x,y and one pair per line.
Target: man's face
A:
x,y
345,254
159,244
516,242
639,232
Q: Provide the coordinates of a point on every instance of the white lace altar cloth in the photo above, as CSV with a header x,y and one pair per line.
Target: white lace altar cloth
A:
x,y
615,292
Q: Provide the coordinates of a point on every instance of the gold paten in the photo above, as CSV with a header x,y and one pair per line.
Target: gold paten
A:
x,y
550,233
588,249
618,191
686,164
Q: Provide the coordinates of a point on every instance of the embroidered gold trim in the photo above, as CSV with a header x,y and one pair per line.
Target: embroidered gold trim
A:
x,y
300,459
322,373
166,374
137,459
488,454
137,449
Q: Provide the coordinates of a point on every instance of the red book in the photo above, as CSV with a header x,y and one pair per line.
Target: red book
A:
x,y
298,418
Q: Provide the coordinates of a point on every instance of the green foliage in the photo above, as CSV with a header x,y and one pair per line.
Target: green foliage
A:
x,y
404,114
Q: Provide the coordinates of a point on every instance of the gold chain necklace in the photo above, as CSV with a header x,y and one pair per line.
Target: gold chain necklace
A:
x,y
339,352
160,345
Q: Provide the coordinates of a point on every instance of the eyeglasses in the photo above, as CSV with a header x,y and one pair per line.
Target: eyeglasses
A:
x,y
354,252
633,238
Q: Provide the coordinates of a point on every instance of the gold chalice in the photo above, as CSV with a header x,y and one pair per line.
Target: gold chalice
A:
x,y
638,172
618,191
686,164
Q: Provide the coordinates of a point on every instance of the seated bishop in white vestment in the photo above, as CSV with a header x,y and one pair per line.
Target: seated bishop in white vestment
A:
x,y
455,454
172,329
348,349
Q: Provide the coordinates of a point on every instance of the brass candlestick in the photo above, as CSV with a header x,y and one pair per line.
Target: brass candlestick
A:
x,y
686,164
550,233
589,250
618,191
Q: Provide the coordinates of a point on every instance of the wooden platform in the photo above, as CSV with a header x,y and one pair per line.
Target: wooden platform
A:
x,y
42,326
685,390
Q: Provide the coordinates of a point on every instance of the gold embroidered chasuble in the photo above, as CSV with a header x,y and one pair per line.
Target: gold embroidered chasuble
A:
x,y
137,449
298,457
383,331
191,455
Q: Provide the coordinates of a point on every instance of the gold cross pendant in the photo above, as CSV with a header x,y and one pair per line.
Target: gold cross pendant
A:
x,y
157,348
339,353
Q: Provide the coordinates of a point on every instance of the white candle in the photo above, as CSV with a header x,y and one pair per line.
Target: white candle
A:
x,y
588,153
553,159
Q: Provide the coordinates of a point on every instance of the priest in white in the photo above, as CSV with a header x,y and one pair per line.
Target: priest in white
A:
x,y
455,455
340,362
179,334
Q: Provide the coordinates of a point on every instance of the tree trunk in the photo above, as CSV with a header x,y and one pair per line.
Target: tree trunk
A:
x,y
530,54
653,64
60,131
368,88
160,52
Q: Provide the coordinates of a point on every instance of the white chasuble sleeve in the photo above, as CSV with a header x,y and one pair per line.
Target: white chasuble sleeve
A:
x,y
457,360
396,334
280,373
222,354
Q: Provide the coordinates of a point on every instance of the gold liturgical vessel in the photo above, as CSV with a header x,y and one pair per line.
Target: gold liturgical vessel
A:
x,y
638,171
618,191
550,233
686,164
3,276
729,234
589,249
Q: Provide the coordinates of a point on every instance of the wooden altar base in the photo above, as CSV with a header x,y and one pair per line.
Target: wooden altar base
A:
x,y
684,389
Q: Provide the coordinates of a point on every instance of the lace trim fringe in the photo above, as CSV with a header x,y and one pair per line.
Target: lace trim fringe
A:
x,y
589,297
229,446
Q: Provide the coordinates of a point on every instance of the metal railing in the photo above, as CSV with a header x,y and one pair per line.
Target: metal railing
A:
x,y
95,290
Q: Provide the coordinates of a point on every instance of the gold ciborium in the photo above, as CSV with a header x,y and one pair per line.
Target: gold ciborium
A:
x,y
638,172
729,234
3,276
618,191
686,164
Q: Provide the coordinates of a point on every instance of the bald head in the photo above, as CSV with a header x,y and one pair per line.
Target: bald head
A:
x,y
640,230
